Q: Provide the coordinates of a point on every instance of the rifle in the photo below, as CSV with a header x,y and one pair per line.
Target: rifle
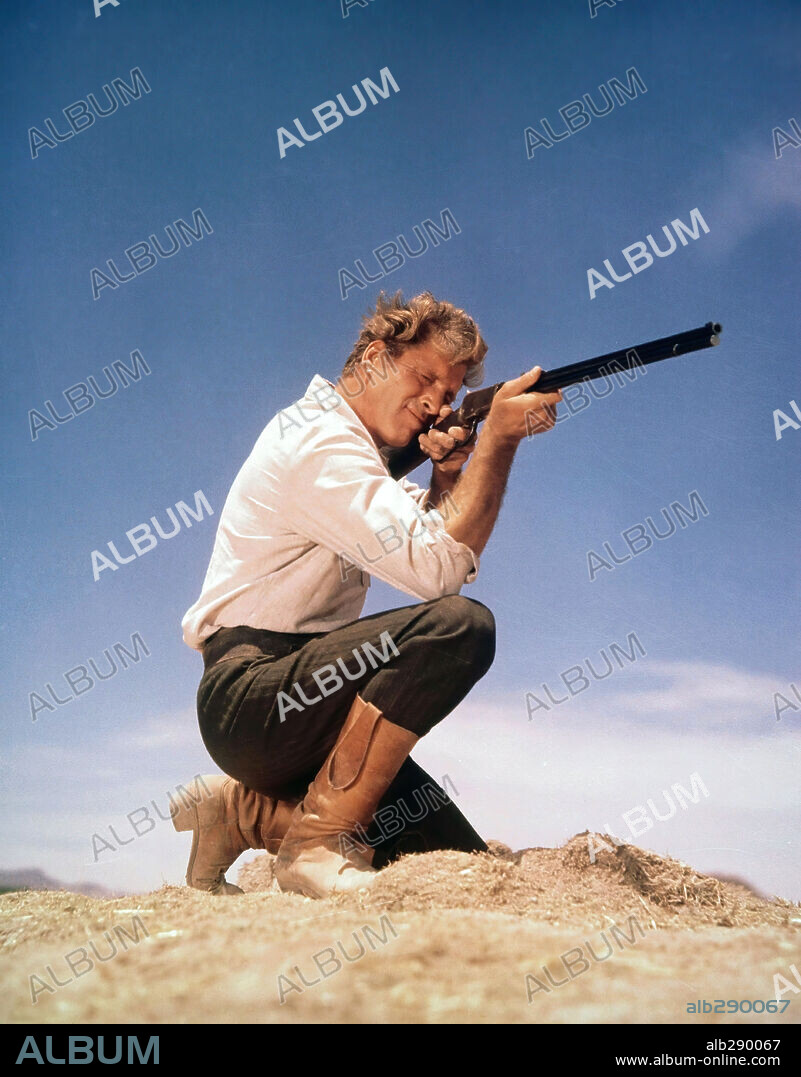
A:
x,y
475,406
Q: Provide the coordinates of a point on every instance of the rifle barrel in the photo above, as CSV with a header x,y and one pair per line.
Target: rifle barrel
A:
x,y
476,405
653,351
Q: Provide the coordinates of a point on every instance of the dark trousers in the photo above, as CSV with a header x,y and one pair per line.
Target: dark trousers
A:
x,y
271,705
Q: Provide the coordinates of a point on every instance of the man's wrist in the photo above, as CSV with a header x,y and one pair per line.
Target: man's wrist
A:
x,y
497,443
441,478
442,482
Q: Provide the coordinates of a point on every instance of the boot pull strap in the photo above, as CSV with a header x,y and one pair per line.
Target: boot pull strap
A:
x,y
349,753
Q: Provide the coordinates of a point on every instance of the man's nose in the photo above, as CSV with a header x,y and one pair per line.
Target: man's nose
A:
x,y
433,400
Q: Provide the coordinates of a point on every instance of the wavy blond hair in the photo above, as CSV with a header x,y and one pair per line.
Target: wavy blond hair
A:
x,y
400,324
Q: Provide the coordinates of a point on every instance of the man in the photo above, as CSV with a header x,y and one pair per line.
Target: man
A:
x,y
309,709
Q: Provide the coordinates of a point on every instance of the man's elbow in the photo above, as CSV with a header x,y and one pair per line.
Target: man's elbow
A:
x,y
448,582
428,594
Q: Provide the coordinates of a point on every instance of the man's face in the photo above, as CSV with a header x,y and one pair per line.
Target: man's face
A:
x,y
395,410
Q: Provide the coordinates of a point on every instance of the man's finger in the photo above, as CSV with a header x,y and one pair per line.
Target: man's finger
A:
x,y
543,399
461,433
449,437
442,441
519,385
436,442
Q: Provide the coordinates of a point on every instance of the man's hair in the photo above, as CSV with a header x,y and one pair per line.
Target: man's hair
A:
x,y
400,324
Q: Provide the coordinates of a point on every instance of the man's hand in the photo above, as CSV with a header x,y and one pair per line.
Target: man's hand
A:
x,y
516,413
478,492
437,444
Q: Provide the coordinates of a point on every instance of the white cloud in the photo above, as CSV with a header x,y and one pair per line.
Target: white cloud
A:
x,y
585,764
755,189
714,695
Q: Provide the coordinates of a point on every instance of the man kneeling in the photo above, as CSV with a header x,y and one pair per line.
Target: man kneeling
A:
x,y
311,710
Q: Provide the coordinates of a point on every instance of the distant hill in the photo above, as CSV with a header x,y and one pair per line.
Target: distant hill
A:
x,y
36,879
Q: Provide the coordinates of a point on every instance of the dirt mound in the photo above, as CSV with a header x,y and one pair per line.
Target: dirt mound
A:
x,y
440,937
587,881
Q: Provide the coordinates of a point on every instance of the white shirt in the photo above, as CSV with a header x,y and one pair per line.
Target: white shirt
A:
x,y
312,511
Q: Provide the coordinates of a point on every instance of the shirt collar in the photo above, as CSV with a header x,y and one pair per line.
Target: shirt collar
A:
x,y
319,383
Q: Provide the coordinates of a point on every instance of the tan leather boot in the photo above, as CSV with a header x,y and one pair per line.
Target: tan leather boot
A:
x,y
313,858
226,819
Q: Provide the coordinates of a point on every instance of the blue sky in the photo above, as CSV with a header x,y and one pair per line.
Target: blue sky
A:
x,y
234,327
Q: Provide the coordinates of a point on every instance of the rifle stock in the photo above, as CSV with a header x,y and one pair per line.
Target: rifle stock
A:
x,y
475,406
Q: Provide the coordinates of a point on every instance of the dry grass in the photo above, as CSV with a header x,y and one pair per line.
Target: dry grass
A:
x,y
467,929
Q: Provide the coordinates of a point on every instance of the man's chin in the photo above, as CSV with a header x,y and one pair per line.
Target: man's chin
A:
x,y
398,440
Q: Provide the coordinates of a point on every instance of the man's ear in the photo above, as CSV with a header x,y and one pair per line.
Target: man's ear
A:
x,y
372,351
372,358
366,370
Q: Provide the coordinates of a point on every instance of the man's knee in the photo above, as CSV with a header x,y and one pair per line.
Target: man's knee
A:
x,y
469,622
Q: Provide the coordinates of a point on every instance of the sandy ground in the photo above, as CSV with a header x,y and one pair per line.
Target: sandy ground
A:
x,y
441,937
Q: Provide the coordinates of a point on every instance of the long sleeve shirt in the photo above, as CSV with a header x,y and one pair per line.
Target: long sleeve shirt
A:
x,y
312,514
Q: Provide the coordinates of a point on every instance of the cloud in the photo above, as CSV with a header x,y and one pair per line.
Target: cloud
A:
x,y
755,189
115,769
648,692
168,731
612,750
709,695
